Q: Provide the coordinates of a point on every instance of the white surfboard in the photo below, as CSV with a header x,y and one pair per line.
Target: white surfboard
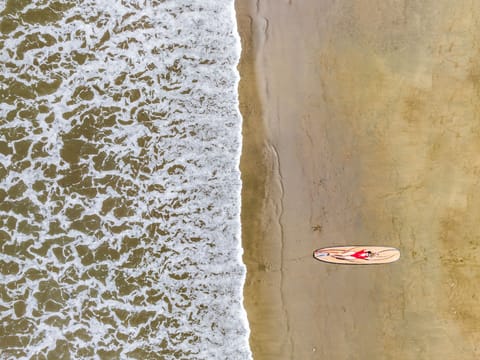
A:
x,y
357,255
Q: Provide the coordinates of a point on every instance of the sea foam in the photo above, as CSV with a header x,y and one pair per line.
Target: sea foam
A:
x,y
120,139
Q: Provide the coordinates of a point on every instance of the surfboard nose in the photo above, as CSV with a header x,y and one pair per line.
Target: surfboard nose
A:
x,y
318,253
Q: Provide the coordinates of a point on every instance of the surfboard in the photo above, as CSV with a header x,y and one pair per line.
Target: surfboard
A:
x,y
357,255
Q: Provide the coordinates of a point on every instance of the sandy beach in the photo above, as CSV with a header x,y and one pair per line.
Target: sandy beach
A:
x,y
361,127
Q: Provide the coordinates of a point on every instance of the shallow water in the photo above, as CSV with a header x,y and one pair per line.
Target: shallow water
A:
x,y
119,182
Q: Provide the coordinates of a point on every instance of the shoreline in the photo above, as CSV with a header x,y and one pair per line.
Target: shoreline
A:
x,y
360,128
262,253
284,183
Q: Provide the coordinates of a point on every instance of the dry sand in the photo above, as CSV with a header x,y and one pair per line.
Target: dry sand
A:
x,y
361,126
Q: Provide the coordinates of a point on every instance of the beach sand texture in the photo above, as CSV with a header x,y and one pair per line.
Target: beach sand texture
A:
x,y
361,126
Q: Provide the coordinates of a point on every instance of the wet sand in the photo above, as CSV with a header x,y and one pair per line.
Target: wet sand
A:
x,y
361,127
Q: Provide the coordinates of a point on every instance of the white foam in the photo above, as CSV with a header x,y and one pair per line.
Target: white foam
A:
x,y
164,220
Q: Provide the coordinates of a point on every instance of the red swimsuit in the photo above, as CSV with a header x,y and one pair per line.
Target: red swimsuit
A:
x,y
362,254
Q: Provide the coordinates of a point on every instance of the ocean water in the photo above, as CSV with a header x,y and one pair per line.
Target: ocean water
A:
x,y
120,139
